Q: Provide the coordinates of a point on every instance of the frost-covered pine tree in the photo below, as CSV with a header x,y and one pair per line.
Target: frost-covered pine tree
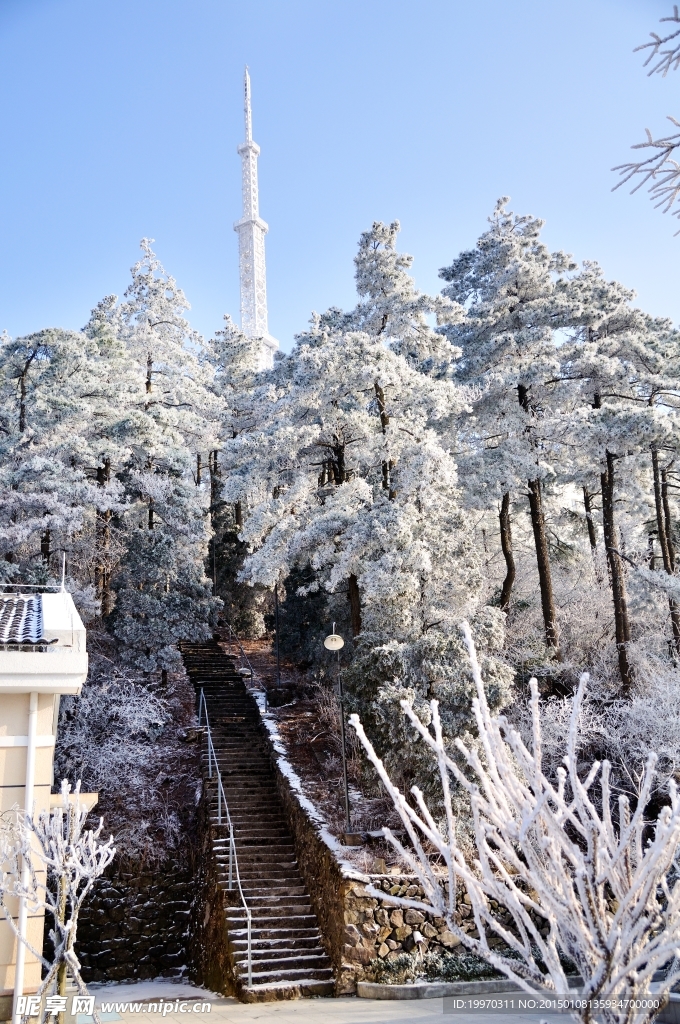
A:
x,y
517,294
162,591
235,362
65,400
620,377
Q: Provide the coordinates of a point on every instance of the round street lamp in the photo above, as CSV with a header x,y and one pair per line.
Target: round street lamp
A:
x,y
334,642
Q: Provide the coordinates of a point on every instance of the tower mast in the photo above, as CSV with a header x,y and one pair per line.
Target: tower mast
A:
x,y
251,230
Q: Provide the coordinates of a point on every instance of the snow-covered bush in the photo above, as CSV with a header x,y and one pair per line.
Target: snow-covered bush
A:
x,y
431,667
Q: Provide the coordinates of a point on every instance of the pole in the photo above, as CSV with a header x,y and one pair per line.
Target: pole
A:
x,y
342,736
29,792
278,656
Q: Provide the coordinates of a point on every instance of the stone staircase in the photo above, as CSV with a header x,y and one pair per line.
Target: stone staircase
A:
x,y
288,959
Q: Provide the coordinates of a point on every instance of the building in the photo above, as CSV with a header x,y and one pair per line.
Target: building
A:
x,y
251,230
42,655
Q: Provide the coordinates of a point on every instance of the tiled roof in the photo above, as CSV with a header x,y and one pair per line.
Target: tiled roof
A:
x,y
21,619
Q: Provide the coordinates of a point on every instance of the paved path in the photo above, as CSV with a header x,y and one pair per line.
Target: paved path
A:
x,y
299,1011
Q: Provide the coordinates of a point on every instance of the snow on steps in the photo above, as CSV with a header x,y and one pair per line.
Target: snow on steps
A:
x,y
288,960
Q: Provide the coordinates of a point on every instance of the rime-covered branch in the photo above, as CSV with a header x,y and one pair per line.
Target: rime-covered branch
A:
x,y
668,59
62,860
576,881
659,167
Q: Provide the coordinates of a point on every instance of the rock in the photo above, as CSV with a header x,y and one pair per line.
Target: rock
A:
x,y
414,917
381,916
358,954
448,939
428,931
401,933
352,935
391,944
383,949
397,918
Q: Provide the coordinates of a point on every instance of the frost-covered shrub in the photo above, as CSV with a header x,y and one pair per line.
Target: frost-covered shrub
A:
x,y
409,967
127,740
435,666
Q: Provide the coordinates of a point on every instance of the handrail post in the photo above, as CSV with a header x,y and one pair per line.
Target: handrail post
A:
x,y
231,856
250,957
200,706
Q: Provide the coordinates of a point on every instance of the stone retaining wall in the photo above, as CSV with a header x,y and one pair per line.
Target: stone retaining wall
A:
x,y
165,921
210,964
135,925
375,928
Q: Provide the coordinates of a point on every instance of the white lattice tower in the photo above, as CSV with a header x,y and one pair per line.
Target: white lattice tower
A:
x,y
251,230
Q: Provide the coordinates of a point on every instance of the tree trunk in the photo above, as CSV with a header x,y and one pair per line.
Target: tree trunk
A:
x,y
238,515
667,517
588,505
506,544
663,522
22,401
617,577
151,515
552,634
387,464
198,469
103,571
45,547
149,372
354,604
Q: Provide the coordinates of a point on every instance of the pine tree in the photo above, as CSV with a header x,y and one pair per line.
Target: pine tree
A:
x,y
516,294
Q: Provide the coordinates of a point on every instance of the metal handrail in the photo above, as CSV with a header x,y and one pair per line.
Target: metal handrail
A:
x,y
233,637
222,802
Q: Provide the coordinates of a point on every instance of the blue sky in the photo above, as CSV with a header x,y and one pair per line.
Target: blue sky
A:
x,y
121,120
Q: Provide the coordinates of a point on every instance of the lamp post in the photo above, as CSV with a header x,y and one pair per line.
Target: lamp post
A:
x,y
336,643
276,614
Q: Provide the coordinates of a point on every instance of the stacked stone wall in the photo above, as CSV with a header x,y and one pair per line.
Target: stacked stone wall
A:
x,y
135,926
375,928
161,921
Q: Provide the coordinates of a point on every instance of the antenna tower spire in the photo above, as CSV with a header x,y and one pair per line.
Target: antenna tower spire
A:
x,y
251,230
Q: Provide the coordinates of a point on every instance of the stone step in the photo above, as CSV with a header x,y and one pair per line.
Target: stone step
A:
x,y
294,974
274,933
286,990
299,957
269,918
292,902
254,892
307,944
